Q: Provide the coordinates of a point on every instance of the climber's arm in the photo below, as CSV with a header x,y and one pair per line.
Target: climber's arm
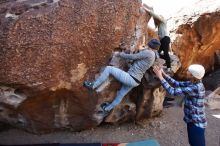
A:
x,y
136,56
156,16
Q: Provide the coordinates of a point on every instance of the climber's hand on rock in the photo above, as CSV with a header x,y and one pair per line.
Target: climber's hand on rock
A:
x,y
147,8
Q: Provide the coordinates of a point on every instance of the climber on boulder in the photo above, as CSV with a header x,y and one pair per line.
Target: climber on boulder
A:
x,y
142,61
161,24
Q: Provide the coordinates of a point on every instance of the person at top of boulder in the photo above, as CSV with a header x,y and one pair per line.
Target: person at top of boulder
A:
x,y
163,34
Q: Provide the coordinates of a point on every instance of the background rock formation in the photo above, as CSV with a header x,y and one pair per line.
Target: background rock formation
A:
x,y
212,85
212,81
49,47
196,36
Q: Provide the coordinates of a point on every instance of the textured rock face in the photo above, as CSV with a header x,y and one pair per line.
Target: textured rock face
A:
x,y
212,81
49,47
196,35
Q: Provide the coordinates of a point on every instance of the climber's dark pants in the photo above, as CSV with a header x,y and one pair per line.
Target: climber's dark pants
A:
x,y
165,44
196,135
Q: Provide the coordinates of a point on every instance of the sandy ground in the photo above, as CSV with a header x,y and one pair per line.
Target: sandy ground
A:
x,y
169,129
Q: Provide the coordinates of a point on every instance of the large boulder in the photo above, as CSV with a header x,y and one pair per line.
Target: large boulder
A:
x,y
49,47
196,36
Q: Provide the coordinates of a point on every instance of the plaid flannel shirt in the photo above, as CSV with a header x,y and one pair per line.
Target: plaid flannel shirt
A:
x,y
194,94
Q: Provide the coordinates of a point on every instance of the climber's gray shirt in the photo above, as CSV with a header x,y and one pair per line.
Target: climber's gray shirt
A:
x,y
142,62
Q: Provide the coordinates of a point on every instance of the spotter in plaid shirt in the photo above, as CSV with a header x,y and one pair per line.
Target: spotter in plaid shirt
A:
x,y
193,93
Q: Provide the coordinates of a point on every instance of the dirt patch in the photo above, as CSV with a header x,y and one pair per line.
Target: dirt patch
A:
x,y
169,130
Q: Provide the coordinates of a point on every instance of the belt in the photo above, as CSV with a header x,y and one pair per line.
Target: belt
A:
x,y
136,80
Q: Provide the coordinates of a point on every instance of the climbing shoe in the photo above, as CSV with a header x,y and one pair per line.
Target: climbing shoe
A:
x,y
88,85
167,104
103,106
168,99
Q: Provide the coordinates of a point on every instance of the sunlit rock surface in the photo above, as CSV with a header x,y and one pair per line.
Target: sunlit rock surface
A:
x,y
196,36
49,47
